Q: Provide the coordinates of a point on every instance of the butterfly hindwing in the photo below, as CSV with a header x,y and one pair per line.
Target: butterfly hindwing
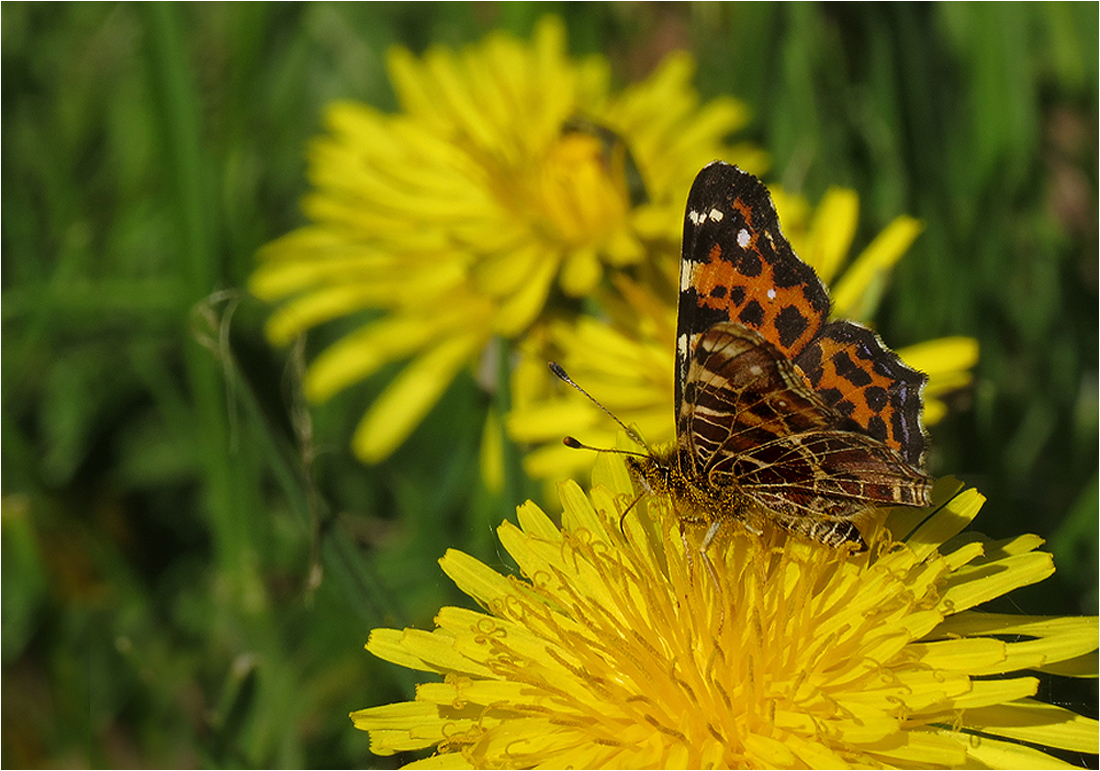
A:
x,y
740,393
851,368
837,473
750,421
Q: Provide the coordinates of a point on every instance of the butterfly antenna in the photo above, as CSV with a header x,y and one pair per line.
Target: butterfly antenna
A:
x,y
570,441
574,444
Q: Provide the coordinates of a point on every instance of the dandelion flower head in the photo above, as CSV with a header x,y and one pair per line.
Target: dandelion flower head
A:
x,y
511,172
614,651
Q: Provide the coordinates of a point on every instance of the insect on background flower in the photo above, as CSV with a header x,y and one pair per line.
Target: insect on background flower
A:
x,y
512,172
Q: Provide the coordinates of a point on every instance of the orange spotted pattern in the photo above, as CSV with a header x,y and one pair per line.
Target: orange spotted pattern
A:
x,y
869,384
787,315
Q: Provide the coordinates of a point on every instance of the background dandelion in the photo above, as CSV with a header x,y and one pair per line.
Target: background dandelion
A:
x,y
193,557
511,181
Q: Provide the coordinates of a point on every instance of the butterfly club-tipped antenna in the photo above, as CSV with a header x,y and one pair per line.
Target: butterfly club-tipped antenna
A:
x,y
573,443
576,445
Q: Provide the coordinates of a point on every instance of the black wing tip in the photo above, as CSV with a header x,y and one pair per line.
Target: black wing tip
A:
x,y
719,172
719,182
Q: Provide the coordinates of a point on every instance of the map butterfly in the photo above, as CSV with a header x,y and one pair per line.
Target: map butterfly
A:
x,y
781,415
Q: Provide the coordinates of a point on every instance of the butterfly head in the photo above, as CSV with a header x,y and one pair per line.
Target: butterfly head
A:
x,y
655,472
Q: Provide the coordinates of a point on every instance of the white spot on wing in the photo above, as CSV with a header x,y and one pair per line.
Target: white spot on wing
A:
x,y
771,294
682,346
687,268
715,215
743,238
695,217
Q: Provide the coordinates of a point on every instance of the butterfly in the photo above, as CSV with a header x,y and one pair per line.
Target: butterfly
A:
x,y
781,415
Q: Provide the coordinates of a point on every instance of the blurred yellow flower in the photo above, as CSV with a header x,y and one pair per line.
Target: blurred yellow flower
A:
x,y
626,361
510,171
617,651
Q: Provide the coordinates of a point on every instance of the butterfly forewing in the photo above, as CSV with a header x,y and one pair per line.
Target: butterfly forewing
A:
x,y
736,265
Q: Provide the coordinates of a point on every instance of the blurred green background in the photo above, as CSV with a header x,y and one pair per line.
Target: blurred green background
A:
x,y
192,561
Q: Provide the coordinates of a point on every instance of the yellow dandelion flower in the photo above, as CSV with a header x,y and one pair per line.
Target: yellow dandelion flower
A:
x,y
617,651
626,361
511,170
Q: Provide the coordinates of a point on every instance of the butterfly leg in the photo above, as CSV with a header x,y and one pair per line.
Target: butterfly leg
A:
x,y
708,539
687,549
704,556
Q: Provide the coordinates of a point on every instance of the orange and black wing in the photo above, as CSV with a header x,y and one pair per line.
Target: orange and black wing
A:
x,y
737,266
855,373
